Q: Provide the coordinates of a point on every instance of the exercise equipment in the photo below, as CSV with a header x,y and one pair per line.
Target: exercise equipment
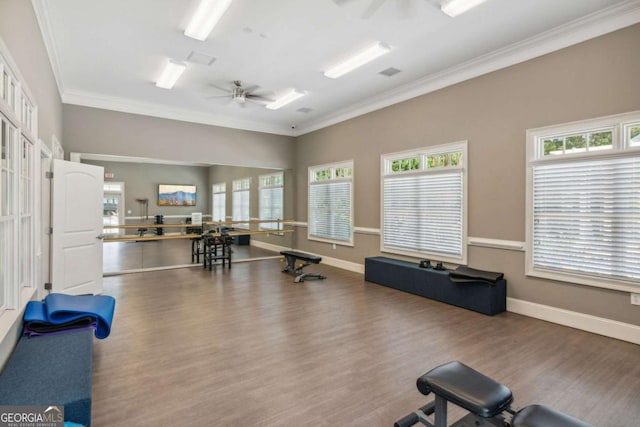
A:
x,y
217,247
487,401
296,268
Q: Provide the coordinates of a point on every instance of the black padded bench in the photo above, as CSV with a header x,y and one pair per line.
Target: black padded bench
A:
x,y
485,399
295,268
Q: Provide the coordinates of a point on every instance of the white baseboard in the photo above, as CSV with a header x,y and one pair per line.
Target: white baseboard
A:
x,y
586,322
268,246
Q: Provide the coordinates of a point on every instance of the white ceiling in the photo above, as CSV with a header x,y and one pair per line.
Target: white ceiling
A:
x,y
108,53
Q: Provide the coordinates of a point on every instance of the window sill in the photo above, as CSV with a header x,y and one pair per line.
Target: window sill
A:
x,y
332,242
616,285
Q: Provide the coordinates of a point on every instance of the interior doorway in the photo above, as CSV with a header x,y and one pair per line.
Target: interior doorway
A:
x,y
113,208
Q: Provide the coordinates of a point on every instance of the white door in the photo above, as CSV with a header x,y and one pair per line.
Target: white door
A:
x,y
76,250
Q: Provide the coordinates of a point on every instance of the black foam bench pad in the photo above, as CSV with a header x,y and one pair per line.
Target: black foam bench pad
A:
x,y
467,388
303,256
543,416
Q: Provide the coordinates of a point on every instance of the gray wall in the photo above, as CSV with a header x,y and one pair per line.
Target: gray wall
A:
x,y
227,174
142,179
595,78
20,32
97,131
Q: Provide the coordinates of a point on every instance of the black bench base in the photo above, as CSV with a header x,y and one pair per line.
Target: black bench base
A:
x,y
406,276
295,268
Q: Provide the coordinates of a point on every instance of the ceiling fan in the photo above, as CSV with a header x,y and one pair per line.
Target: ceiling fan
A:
x,y
240,94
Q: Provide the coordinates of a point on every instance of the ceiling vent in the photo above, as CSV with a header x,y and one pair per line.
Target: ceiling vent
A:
x,y
304,110
200,58
389,72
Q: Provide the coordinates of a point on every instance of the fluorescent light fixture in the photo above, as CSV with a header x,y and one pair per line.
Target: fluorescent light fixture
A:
x,y
454,8
171,73
205,18
288,98
359,59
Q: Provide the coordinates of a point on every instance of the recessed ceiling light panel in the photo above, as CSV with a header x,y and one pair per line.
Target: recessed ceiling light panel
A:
x,y
205,18
288,98
367,55
171,73
454,8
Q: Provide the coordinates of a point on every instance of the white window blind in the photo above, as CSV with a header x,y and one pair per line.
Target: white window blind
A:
x,y
271,200
423,202
586,217
219,202
424,212
583,204
241,209
331,203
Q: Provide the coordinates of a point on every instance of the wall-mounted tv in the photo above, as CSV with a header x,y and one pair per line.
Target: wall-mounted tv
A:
x,y
176,195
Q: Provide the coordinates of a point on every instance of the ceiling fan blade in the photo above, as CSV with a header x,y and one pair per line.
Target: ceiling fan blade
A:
x,y
373,8
255,97
251,88
223,89
216,96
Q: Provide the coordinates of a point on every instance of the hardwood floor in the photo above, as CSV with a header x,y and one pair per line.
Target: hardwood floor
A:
x,y
248,347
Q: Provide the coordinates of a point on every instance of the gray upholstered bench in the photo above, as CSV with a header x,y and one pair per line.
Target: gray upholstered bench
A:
x,y
51,370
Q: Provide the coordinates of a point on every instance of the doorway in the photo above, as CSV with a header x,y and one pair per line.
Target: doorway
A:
x,y
113,208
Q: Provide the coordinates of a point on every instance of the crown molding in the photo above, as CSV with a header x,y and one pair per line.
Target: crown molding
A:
x,y
42,16
590,26
124,105
596,24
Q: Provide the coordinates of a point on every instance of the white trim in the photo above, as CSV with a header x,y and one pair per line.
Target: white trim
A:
x,y
126,218
586,322
511,245
131,106
268,246
594,25
44,23
11,324
366,230
174,267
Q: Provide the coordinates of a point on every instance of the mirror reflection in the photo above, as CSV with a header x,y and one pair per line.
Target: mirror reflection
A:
x,y
155,212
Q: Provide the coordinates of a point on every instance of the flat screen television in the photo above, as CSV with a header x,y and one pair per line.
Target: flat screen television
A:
x,y
176,195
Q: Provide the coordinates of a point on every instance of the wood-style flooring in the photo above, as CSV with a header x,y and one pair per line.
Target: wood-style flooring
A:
x,y
248,347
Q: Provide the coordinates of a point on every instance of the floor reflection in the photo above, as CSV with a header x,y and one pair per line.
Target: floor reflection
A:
x,y
122,256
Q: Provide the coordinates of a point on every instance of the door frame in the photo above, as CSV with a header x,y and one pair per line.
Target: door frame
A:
x,y
42,208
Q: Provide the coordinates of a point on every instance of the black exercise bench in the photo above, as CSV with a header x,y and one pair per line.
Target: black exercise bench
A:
x,y
295,268
487,401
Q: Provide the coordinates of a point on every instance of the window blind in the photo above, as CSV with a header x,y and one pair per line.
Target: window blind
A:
x,y
423,212
241,207
219,207
271,203
330,210
586,217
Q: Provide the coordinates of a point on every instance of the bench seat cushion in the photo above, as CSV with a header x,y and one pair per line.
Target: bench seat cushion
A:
x,y
467,388
303,256
543,416
51,370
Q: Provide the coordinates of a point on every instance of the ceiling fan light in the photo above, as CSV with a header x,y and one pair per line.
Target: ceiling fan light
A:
x,y
288,98
454,8
205,18
170,75
369,54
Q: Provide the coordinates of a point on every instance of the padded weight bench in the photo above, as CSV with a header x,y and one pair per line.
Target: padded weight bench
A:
x,y
485,399
295,268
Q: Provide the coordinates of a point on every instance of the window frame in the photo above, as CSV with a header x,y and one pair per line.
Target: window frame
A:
x,y
621,148
386,161
263,185
219,188
241,182
333,169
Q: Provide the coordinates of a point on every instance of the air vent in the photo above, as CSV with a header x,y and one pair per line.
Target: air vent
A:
x,y
304,110
389,72
200,58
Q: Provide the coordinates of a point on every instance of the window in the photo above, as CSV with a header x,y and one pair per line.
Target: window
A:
x,y
219,202
241,212
583,202
25,242
424,203
8,212
331,203
271,199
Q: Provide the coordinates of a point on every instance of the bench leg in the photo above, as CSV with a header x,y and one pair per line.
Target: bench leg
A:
x,y
440,414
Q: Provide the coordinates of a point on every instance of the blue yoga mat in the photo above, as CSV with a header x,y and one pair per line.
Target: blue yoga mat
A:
x,y
61,309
